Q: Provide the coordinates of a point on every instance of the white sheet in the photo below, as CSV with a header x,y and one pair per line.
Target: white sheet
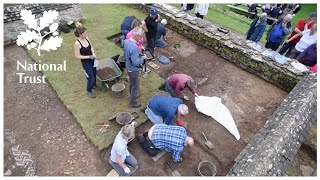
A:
x,y
212,106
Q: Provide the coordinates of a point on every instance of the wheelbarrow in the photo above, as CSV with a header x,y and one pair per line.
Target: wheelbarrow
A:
x,y
108,62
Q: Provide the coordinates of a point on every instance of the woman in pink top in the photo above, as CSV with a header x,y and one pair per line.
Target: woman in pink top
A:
x,y
140,42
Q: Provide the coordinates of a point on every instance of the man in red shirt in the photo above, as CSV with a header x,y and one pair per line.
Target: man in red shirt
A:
x,y
303,24
177,82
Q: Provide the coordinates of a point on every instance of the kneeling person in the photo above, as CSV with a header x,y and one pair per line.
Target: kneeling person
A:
x,y
162,109
121,158
170,138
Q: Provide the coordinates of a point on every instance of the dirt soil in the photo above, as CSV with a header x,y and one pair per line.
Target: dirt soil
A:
x,y
106,73
250,99
39,123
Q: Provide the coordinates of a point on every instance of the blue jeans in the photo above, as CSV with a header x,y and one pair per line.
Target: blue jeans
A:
x,y
160,43
155,119
130,160
134,82
169,89
90,72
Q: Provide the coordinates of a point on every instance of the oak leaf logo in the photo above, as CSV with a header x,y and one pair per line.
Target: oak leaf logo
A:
x,y
33,38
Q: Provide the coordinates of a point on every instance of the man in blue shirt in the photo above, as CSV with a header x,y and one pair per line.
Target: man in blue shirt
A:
x,y
277,32
133,64
163,109
161,33
170,138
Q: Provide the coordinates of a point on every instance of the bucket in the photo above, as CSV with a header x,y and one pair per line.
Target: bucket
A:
x,y
124,118
207,168
118,90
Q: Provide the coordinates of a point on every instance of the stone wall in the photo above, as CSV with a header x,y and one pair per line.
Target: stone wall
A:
x,y
274,146
13,24
231,46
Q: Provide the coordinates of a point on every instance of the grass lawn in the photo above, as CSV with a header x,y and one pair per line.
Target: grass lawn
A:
x,y
101,21
219,15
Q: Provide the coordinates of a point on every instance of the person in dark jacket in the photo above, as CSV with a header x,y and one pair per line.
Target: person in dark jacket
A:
x,y
274,13
309,56
257,28
277,32
150,25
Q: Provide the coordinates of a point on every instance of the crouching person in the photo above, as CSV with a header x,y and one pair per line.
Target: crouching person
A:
x,y
162,109
171,139
121,159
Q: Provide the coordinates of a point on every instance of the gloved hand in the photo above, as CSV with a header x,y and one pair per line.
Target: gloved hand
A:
x,y
92,57
127,170
180,123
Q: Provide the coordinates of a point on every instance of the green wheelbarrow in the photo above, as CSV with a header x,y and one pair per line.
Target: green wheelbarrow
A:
x,y
108,64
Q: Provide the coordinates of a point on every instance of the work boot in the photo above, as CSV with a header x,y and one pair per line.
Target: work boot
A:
x,y
90,94
162,87
134,105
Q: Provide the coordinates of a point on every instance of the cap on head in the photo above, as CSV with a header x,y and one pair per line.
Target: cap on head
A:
x,y
127,132
164,21
183,109
153,11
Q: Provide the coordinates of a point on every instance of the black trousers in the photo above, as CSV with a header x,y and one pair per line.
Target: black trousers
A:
x,y
151,41
287,47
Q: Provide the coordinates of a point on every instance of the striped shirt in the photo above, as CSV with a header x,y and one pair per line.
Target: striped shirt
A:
x,y
169,138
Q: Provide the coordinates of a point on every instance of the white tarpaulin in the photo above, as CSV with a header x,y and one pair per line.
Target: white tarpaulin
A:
x,y
212,106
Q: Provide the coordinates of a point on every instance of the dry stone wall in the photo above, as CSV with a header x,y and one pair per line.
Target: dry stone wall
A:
x,y
13,24
231,46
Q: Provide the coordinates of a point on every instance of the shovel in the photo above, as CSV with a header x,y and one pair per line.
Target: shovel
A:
x,y
208,143
174,172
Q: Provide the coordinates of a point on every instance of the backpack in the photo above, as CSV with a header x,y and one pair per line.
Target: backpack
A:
x,y
64,28
148,146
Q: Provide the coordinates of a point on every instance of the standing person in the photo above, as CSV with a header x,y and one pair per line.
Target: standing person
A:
x,y
186,7
308,37
171,139
133,64
309,56
121,158
163,109
150,26
161,34
201,10
275,12
257,28
176,83
83,50
253,8
277,32
303,24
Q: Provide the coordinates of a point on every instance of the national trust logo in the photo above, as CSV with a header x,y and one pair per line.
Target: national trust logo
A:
x,y
34,38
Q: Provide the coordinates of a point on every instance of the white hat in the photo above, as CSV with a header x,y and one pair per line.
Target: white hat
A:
x,y
164,21
127,132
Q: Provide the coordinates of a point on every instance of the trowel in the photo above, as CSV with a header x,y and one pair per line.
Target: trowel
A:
x,y
174,172
208,143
